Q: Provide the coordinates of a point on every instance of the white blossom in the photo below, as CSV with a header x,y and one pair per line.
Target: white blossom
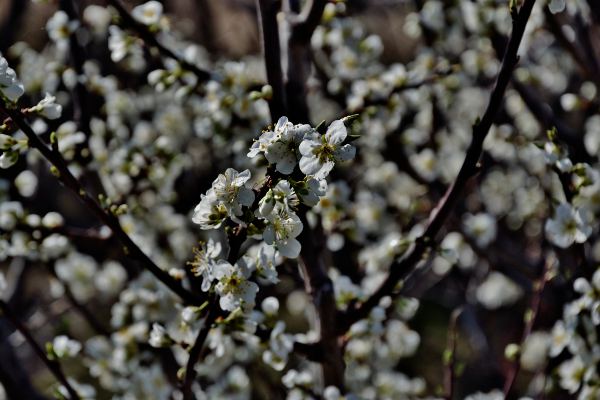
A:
x,y
319,153
568,226
65,347
233,286
498,291
224,199
48,107
59,28
10,86
148,13
283,228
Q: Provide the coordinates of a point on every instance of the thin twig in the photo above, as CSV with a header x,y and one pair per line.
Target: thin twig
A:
x,y
469,168
450,354
53,365
530,318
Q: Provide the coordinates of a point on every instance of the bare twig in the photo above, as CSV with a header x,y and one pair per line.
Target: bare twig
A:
x,y
469,168
450,354
530,318
52,365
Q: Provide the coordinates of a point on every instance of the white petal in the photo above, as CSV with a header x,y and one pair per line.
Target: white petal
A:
x,y
310,165
557,6
289,248
345,153
324,171
242,177
287,164
336,133
308,146
246,196
281,123
269,234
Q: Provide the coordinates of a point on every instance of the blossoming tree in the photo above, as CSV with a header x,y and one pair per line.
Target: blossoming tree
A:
x,y
373,229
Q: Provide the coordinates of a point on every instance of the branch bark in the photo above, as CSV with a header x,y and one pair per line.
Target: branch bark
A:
x,y
299,60
269,30
196,350
320,287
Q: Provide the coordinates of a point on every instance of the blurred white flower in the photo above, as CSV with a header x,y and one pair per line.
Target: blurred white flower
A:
x,y
556,6
65,347
571,373
481,227
148,13
26,182
280,345
498,291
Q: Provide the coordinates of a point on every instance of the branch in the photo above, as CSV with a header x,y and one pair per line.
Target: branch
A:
x,y
299,60
320,287
468,169
52,365
81,113
269,30
67,179
304,28
148,37
196,351
530,317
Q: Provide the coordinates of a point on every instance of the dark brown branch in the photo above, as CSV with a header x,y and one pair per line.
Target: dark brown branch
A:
x,y
149,37
196,350
303,29
269,29
468,169
52,365
67,179
320,287
299,61
81,113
